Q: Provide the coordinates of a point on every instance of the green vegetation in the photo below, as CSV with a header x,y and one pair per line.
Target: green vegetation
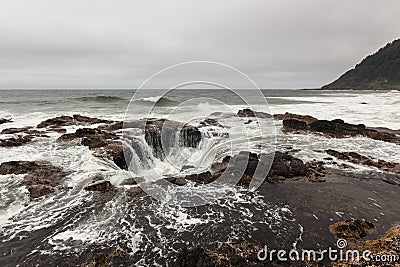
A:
x,y
378,71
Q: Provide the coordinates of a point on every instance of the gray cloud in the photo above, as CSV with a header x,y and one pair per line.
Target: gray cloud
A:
x,y
97,43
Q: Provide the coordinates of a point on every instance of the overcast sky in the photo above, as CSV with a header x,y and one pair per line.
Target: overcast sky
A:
x,y
115,43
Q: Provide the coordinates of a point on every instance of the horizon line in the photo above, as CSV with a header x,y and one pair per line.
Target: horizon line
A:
x,y
127,88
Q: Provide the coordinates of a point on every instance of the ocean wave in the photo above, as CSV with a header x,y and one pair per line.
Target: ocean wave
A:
x,y
41,102
157,100
100,98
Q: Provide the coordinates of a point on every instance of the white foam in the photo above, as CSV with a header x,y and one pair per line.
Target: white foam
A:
x,y
381,109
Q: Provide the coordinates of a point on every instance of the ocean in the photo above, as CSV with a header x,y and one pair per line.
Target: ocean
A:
x,y
73,225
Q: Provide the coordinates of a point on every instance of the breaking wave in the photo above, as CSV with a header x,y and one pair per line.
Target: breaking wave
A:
x,y
100,98
156,100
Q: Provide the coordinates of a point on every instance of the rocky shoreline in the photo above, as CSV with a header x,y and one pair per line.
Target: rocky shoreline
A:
x,y
106,139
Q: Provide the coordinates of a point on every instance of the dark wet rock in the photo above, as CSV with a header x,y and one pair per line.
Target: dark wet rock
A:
x,y
129,181
15,130
389,181
88,133
221,166
19,167
253,114
287,166
387,245
105,144
93,142
202,178
186,167
284,167
346,166
35,133
97,177
103,259
351,229
77,119
385,130
239,254
57,122
161,134
356,158
111,127
338,128
45,173
383,136
316,171
15,141
41,176
93,138
57,130
178,181
26,134
363,103
210,122
80,118
101,186
190,136
134,192
243,164
289,116
36,191
242,158
2,121
115,152
294,124
292,151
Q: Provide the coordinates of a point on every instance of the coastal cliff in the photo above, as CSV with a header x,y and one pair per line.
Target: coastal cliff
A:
x,y
380,70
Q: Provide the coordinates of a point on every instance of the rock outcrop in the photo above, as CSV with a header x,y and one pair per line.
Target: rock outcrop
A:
x,y
210,122
356,158
77,119
248,113
351,229
15,130
339,129
104,143
316,171
15,141
288,116
21,136
5,121
239,254
93,138
104,259
101,186
112,127
115,151
160,134
163,134
284,168
41,176
134,191
387,245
